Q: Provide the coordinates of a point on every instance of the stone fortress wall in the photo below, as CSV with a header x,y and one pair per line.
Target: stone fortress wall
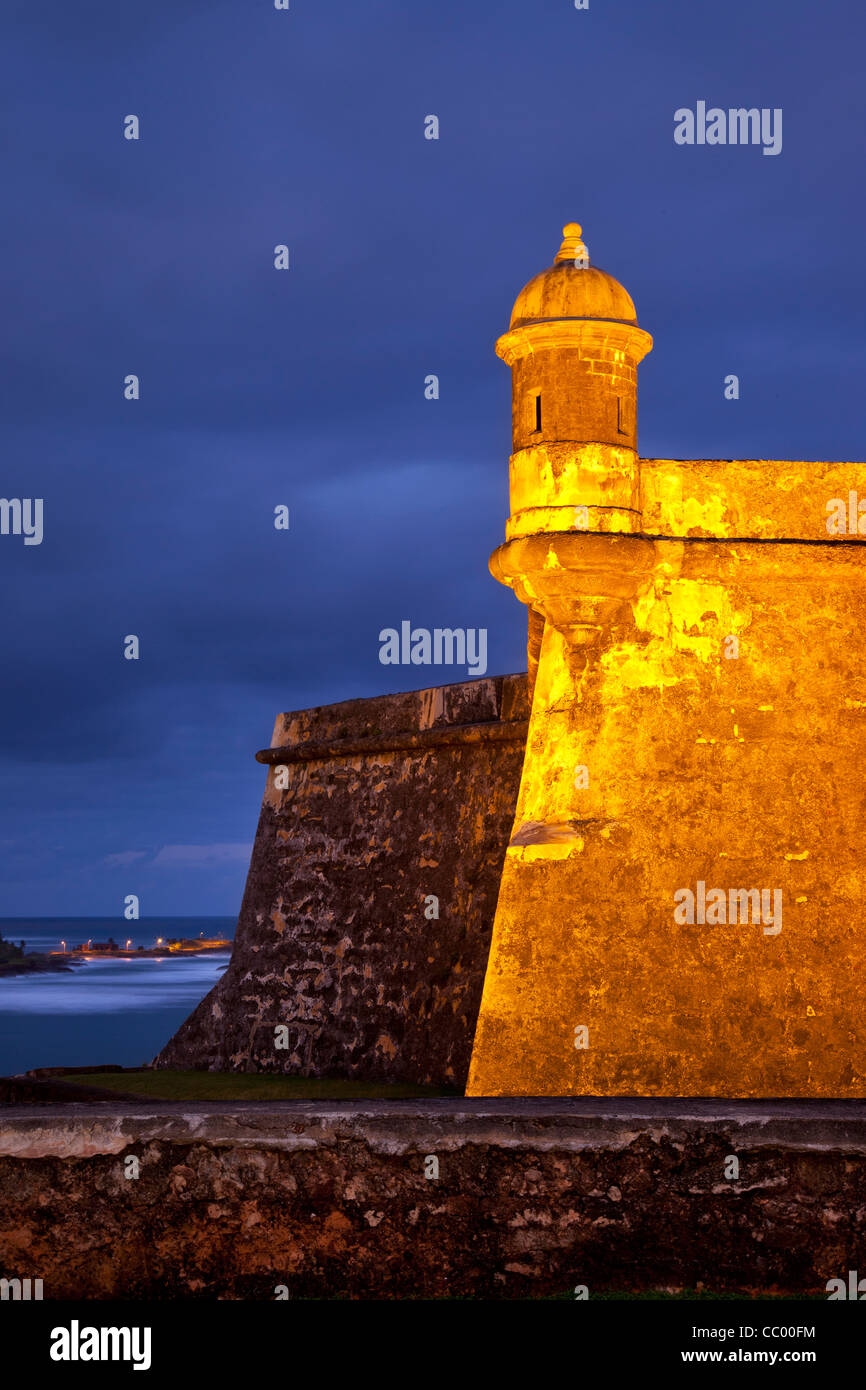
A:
x,y
696,635
390,803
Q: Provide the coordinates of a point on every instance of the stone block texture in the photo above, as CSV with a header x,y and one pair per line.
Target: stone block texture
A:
x,y
373,809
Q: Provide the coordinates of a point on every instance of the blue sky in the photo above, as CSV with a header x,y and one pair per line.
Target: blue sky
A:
x,y
306,387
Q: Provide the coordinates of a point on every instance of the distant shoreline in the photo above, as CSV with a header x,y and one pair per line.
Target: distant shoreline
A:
x,y
168,946
206,948
37,963
47,962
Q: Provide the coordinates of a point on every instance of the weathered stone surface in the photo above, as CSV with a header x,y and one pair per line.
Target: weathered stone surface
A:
x,y
406,797
331,1200
680,905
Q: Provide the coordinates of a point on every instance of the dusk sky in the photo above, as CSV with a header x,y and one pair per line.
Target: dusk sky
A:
x,y
305,387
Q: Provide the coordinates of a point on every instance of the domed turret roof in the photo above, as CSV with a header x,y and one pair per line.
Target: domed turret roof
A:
x,y
573,289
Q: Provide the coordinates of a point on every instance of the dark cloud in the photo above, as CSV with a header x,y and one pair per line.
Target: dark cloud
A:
x,y
306,388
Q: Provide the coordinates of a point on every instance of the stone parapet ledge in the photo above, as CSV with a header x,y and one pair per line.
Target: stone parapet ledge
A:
x,y
83,1130
494,1199
322,750
749,499
482,701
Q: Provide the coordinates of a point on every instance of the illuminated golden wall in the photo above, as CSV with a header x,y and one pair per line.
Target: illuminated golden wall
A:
x,y
697,728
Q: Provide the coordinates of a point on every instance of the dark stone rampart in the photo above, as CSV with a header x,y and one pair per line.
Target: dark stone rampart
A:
x,y
386,804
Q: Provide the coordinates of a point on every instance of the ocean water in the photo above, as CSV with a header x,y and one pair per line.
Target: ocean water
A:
x,y
120,1011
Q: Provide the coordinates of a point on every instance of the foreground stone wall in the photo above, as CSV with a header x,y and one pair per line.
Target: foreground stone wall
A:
x,y
372,808
531,1198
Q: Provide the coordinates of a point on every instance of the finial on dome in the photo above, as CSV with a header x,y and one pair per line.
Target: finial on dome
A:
x,y
572,248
